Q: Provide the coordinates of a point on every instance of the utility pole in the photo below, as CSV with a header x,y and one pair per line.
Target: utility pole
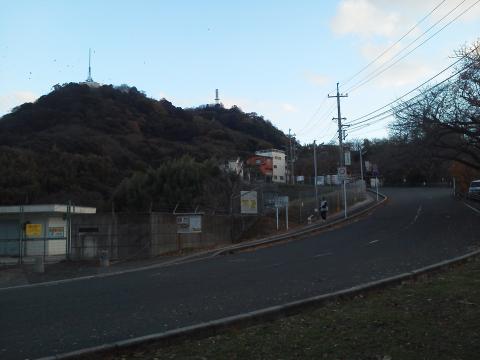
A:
x,y
292,160
315,173
340,126
360,150
361,164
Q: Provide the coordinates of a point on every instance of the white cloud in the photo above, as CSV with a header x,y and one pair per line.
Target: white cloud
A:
x,y
371,51
10,100
288,107
407,73
316,79
390,19
364,18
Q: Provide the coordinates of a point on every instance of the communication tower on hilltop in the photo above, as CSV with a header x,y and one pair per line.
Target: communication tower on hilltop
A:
x,y
89,78
217,99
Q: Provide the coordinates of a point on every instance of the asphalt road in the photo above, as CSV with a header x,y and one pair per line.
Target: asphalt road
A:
x,y
417,227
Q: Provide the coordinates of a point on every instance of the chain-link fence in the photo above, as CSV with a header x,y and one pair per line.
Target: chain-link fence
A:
x,y
143,235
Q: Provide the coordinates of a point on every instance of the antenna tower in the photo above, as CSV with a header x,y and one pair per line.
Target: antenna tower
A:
x,y
89,79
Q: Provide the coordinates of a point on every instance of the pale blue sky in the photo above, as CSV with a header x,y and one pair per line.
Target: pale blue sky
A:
x,y
276,58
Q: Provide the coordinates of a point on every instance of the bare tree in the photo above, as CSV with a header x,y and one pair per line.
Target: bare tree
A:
x,y
447,117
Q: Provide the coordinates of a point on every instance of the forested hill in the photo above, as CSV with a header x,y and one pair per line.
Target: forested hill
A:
x,y
80,142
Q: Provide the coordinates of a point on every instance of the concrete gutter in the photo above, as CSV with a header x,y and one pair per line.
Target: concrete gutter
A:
x,y
214,327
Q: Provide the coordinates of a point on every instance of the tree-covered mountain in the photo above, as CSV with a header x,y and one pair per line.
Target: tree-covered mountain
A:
x,y
80,142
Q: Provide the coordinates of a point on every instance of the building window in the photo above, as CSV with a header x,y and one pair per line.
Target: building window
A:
x,y
281,177
274,166
275,177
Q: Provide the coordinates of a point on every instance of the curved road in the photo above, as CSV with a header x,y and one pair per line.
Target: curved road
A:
x,y
417,227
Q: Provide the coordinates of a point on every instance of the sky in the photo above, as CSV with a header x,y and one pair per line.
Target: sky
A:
x,y
279,58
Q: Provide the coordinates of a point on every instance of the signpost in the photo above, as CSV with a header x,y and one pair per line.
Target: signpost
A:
x,y
375,173
189,224
342,176
348,158
248,202
282,201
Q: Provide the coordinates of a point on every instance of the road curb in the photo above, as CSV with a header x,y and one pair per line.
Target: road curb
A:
x,y
303,231
200,255
214,327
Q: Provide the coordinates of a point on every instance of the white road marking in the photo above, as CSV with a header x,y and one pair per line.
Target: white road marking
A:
x,y
471,207
419,210
374,241
321,255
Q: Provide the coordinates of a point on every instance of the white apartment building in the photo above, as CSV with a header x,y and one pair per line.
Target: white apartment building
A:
x,y
279,169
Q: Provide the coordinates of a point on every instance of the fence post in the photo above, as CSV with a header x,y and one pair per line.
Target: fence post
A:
x,y
21,232
286,214
44,245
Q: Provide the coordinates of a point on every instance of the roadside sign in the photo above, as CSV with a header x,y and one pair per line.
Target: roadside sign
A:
x,y
187,224
281,201
342,173
321,180
33,230
248,202
348,158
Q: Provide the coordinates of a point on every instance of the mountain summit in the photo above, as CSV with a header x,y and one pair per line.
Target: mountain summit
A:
x,y
79,142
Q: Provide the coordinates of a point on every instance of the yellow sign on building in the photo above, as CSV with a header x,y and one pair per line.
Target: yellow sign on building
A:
x,y
33,230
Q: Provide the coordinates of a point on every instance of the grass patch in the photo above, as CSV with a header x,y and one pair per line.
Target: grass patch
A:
x,y
435,318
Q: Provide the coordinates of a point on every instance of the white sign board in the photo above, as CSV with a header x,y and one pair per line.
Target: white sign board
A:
x,y
348,158
187,224
321,180
248,202
281,201
342,173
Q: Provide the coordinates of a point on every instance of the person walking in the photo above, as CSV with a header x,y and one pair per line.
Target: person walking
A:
x,y
323,209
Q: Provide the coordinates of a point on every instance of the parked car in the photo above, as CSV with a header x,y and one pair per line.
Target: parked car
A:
x,y
474,189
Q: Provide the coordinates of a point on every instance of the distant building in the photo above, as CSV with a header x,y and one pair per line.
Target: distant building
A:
x,y
235,166
264,165
271,163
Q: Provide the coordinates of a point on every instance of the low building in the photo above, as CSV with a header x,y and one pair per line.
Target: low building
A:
x,y
37,230
271,164
278,158
264,166
235,166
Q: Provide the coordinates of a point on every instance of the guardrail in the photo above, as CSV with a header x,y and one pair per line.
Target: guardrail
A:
x,y
475,197
299,232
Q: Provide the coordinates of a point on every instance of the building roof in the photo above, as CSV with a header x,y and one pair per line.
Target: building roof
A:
x,y
268,152
48,208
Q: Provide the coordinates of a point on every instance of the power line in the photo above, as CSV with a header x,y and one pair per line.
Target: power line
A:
x,y
390,111
393,45
309,125
374,74
354,121
359,120
321,118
